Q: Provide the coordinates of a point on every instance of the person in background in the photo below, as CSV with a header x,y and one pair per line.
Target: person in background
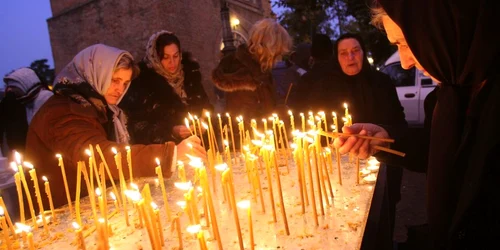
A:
x,y
287,73
245,75
84,111
25,94
456,44
310,86
168,87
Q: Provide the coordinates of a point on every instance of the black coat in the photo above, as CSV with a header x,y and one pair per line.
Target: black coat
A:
x,y
153,107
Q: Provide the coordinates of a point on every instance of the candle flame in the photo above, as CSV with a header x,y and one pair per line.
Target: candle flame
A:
x,y
186,121
321,113
180,163
328,150
183,185
244,204
221,167
153,205
44,178
196,117
226,143
207,114
310,113
13,165
190,116
257,143
112,195
345,105
157,161
227,114
87,151
58,156
334,115
181,204
293,146
205,126
246,148
75,225
264,120
17,156
301,114
98,192
22,227
101,220
113,149
2,212
194,228
195,161
28,165
200,189
133,195
218,115
290,112
134,186
127,148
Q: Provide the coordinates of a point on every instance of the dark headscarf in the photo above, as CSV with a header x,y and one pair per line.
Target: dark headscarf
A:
x,y
457,43
359,87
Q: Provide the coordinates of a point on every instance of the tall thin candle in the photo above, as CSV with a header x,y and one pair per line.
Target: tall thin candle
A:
x,y
38,195
163,189
49,195
26,188
66,188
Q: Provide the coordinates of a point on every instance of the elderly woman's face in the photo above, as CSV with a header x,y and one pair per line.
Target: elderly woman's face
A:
x,y
396,37
119,82
350,56
171,58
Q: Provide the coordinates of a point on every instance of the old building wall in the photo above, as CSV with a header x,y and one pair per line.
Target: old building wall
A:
x,y
128,24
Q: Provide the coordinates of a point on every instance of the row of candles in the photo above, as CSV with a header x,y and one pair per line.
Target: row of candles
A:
x,y
268,152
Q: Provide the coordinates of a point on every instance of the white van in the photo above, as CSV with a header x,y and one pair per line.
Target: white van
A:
x,y
412,87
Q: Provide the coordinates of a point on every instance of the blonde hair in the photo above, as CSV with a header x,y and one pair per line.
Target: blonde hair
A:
x,y
377,14
268,42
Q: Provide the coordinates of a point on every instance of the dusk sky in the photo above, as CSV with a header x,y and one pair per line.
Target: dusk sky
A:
x,y
24,34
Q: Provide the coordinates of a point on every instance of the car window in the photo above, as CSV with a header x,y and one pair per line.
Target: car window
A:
x,y
401,77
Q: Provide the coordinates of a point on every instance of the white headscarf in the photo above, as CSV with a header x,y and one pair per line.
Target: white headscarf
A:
x,y
34,95
95,65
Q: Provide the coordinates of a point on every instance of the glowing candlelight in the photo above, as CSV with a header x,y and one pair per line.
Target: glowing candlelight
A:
x,y
17,156
129,163
66,188
196,229
6,237
186,122
245,204
19,191
365,171
123,184
159,172
49,195
79,236
157,222
38,195
370,178
108,172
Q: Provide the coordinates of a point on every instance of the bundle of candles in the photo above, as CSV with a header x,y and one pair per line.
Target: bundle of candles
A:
x,y
287,170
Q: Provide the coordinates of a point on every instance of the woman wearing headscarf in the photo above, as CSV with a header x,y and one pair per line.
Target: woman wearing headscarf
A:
x,y
245,75
84,112
25,94
456,43
168,87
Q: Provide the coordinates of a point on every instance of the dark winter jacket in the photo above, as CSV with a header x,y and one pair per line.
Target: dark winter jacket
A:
x,y
249,91
154,108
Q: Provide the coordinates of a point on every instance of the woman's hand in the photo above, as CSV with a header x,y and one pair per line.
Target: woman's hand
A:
x,y
362,148
194,149
181,131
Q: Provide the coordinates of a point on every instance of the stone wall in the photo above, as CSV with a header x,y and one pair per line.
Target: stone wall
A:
x,y
128,24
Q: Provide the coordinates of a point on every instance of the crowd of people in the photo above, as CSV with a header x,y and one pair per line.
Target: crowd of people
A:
x,y
105,97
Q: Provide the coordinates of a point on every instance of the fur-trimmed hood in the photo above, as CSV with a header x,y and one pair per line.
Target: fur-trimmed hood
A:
x,y
239,71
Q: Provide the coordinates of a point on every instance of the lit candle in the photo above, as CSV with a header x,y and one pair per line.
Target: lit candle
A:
x,y
17,179
303,119
129,163
100,199
292,121
370,178
17,156
6,237
220,127
77,195
208,196
200,132
283,212
156,212
102,229
182,171
266,149
38,195
108,172
196,229
123,185
231,132
335,122
364,171
63,172
154,243
194,123
79,236
186,121
135,196
113,198
49,195
92,169
163,189
346,110
245,204
31,243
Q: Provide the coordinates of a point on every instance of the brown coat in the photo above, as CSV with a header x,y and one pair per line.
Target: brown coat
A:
x,y
248,91
65,127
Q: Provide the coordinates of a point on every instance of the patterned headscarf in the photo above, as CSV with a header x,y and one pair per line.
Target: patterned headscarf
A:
x,y
153,61
87,78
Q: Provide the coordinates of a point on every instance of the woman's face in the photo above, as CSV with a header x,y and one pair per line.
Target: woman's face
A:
x,y
119,82
350,56
171,58
396,37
